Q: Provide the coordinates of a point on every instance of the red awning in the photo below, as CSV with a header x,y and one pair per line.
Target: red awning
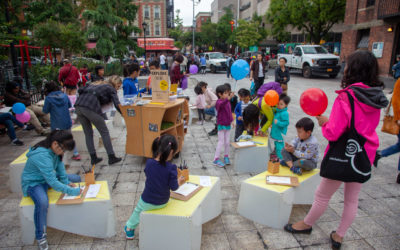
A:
x,y
91,45
160,48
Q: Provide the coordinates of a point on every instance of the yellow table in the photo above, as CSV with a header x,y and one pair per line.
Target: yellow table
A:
x,y
178,225
16,169
94,217
271,205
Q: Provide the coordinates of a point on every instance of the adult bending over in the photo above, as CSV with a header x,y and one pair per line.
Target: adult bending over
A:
x,y
88,109
361,82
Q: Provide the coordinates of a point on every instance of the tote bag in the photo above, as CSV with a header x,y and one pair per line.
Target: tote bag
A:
x,y
346,159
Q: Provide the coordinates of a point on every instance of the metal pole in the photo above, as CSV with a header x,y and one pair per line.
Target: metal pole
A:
x,y
194,26
237,23
12,48
145,45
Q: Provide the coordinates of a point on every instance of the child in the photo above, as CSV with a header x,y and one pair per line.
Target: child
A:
x,y
244,96
224,120
161,177
200,104
211,100
154,65
280,124
57,104
130,85
233,99
303,153
44,169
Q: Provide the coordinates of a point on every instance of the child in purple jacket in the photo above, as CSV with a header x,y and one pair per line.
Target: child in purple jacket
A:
x,y
224,120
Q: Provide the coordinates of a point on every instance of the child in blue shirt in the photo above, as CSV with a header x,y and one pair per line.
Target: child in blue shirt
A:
x,y
130,85
58,104
280,124
244,96
161,177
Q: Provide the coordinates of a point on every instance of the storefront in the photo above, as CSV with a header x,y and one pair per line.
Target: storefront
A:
x,y
156,46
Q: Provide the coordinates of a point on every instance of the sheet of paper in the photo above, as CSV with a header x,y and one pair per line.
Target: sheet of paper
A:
x,y
93,190
205,181
5,110
279,179
186,189
72,197
245,143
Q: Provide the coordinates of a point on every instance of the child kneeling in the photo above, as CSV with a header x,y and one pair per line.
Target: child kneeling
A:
x,y
161,177
302,154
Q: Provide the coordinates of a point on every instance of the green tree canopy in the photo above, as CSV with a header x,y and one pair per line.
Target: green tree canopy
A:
x,y
247,34
316,17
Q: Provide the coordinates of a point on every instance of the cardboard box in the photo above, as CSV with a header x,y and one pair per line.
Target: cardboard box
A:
x,y
185,174
273,167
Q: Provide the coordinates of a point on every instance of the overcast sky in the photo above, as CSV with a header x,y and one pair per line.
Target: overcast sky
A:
x,y
186,7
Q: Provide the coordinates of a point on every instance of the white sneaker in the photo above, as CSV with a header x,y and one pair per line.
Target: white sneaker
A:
x,y
200,122
42,243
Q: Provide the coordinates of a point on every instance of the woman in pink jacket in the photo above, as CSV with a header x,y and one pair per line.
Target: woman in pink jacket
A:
x,y
361,81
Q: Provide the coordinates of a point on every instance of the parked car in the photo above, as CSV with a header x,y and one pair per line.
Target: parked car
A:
x,y
312,59
216,61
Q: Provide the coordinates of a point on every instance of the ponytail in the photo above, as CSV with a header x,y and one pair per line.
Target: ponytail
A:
x,y
163,146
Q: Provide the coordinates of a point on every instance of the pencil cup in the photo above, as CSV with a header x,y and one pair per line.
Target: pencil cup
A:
x,y
89,178
273,167
185,174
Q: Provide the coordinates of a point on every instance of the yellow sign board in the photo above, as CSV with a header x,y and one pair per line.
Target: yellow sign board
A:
x,y
160,84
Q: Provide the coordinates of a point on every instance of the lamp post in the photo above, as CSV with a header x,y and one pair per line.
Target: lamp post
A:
x,y
144,26
193,29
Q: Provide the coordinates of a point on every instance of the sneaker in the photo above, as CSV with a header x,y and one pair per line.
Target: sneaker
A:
x,y
200,123
76,157
17,142
219,163
227,161
296,170
129,234
283,163
398,179
29,127
213,132
45,132
42,243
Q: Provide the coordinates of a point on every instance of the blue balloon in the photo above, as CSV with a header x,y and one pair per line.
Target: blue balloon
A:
x,y
18,108
240,69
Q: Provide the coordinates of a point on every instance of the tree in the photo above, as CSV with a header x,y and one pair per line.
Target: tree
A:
x,y
247,34
316,17
224,34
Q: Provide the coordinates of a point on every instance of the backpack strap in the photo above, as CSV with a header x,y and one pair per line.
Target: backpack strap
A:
x,y
351,100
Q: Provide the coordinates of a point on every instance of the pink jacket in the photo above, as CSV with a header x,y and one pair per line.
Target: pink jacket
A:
x,y
366,120
201,101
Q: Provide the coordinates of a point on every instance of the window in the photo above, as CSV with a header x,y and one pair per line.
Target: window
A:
x,y
157,29
148,31
146,12
315,50
157,12
363,39
370,3
297,51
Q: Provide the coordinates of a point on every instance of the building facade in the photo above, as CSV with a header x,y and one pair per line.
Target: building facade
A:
x,y
201,18
218,9
373,25
156,16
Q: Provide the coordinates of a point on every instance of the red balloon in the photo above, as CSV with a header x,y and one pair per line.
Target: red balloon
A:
x,y
314,101
271,97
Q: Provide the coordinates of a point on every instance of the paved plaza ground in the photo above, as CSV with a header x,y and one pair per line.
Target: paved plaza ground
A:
x,y
377,225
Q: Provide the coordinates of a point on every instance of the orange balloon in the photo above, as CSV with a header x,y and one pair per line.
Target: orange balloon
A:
x,y
271,97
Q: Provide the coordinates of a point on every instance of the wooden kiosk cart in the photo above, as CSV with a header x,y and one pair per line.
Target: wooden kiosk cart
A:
x,y
161,116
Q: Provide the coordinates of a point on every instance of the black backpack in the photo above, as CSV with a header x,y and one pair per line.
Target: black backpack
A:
x,y
346,159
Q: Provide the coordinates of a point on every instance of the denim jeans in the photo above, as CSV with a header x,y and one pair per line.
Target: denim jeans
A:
x,y
39,196
8,120
210,111
392,150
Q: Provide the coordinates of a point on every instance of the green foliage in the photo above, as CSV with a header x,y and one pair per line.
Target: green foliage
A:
x,y
59,35
114,68
224,34
247,34
39,73
316,17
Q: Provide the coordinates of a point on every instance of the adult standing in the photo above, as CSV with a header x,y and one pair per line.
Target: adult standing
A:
x,y
282,74
203,64
175,74
88,108
15,94
258,71
396,115
69,77
163,62
229,62
361,93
